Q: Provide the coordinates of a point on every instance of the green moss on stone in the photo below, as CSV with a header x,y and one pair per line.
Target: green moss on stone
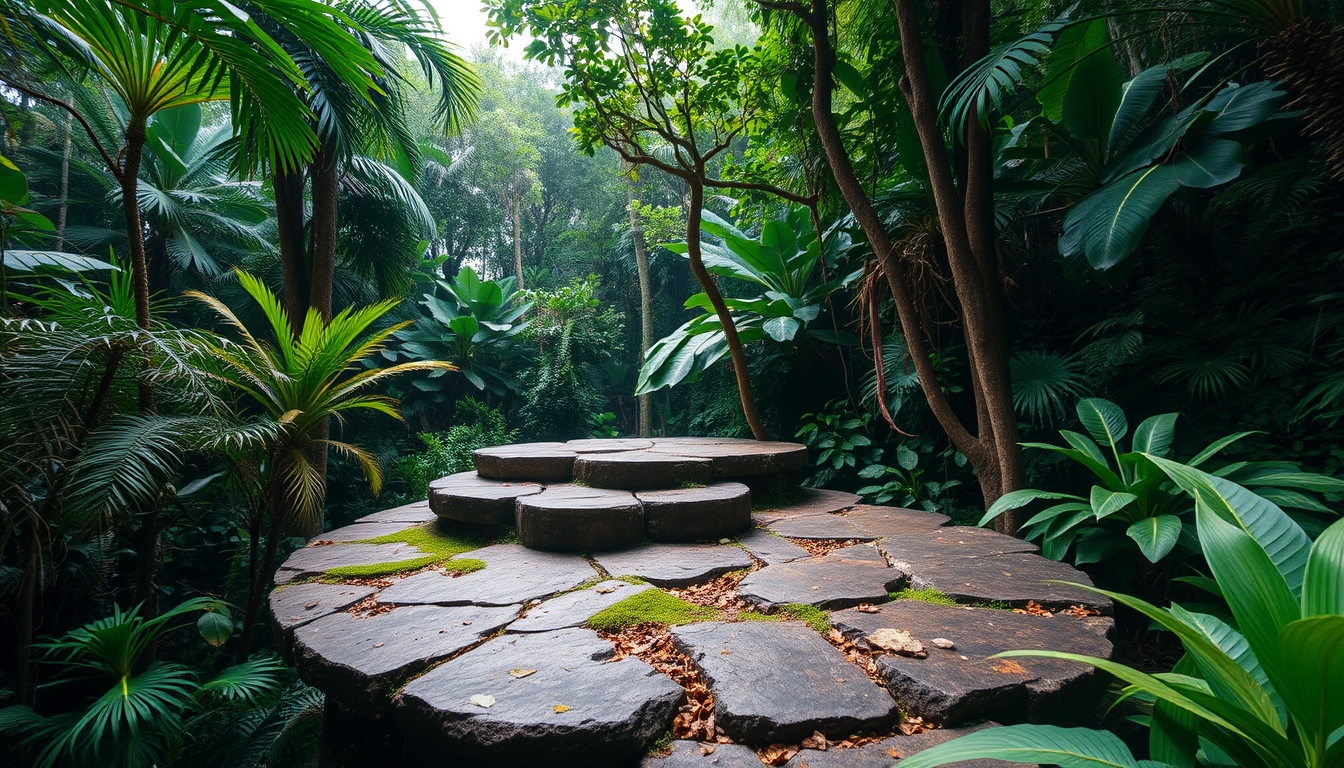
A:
x,y
463,565
927,595
375,570
650,606
434,540
813,616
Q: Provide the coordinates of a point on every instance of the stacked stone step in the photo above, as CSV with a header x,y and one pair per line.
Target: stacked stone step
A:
x,y
603,495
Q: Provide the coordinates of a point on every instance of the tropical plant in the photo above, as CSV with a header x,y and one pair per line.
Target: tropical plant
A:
x,y
906,484
474,324
299,380
1262,690
446,453
133,714
840,440
1134,508
786,261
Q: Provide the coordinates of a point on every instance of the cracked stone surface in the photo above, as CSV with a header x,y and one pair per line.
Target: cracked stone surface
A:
x,y
689,514
609,445
691,754
881,754
779,682
540,462
612,709
819,526
361,661
359,531
961,684
575,518
809,501
641,470
419,512
675,565
513,574
316,560
302,603
894,521
572,609
771,549
844,578
469,498
976,565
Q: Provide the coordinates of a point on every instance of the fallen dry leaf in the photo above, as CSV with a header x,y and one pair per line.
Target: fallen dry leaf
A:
x,y
1033,608
560,708
521,673
652,644
819,547
484,700
707,749
777,754
816,741
868,608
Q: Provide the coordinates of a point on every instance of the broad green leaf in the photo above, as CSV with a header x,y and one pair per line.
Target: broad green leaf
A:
x,y
1323,584
1086,458
1156,536
1256,591
1045,744
1282,539
1103,420
1138,94
1311,676
1051,513
1154,434
215,627
35,261
13,184
1241,107
1209,163
1021,498
781,328
1228,640
1075,41
1106,226
1213,448
177,127
1106,502
1094,90
1173,733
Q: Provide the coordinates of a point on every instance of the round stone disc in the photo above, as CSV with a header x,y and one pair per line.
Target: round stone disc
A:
x,y
743,458
574,518
526,461
687,514
609,445
641,470
469,498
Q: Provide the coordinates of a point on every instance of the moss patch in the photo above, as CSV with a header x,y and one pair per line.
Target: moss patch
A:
x,y
754,615
434,541
464,565
374,570
927,595
650,606
813,616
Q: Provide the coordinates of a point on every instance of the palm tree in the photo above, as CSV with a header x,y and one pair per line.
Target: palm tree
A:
x,y
300,380
153,55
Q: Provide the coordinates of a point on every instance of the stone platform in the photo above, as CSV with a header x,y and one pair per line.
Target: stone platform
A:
x,y
477,646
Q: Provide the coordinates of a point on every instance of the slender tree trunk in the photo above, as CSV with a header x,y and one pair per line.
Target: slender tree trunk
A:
x,y
25,624
706,280
135,236
65,182
325,173
289,224
645,302
147,561
518,241
968,234
262,572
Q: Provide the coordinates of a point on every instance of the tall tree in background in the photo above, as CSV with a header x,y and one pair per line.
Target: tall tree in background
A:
x,y
645,296
961,187
649,84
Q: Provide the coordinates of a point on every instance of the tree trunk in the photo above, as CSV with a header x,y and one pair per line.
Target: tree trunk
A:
x,y
706,281
968,232
645,302
289,224
262,572
135,237
325,173
518,241
25,624
65,182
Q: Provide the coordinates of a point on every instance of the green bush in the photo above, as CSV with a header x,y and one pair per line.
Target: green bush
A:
x,y
446,453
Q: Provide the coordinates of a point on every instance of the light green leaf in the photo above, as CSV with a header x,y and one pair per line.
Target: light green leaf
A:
x,y
1154,434
1323,584
1311,676
1103,420
1021,498
1045,744
1106,502
1156,536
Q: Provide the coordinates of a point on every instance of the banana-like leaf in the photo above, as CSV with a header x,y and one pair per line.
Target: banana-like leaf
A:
x,y
1106,226
1045,744
1311,676
1104,420
1021,498
1138,94
1156,536
1154,434
1323,584
1106,502
1093,93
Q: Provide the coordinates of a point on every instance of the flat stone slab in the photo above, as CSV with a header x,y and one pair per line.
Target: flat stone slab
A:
x,y
419,512
609,445
302,603
539,462
811,501
469,498
820,526
894,521
575,518
962,684
513,574
740,458
361,531
360,662
641,470
771,549
693,754
316,560
688,514
574,706
572,609
675,565
780,682
973,565
844,578
881,754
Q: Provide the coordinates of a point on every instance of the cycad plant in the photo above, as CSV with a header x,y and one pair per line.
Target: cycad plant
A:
x,y
301,379
134,715
1262,690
